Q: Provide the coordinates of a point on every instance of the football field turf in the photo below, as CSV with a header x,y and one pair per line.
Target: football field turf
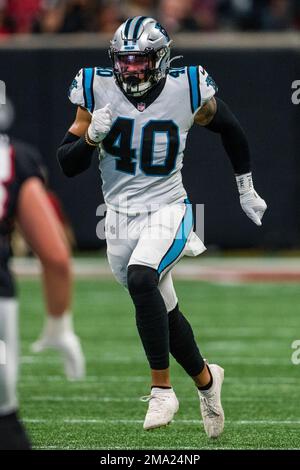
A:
x,y
246,328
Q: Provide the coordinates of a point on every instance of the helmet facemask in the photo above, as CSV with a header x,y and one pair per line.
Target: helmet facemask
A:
x,y
138,72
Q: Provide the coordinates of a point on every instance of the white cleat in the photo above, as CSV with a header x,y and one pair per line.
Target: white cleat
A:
x,y
163,405
210,403
68,344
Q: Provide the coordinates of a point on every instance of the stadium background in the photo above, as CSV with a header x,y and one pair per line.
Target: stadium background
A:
x,y
251,48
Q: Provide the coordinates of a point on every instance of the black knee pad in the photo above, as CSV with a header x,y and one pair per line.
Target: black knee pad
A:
x,y
141,279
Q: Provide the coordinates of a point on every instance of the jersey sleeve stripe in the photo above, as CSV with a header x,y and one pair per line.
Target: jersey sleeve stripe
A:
x,y
180,239
92,92
194,83
88,81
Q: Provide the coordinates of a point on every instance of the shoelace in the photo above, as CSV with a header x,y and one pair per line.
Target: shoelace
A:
x,y
148,398
210,410
145,398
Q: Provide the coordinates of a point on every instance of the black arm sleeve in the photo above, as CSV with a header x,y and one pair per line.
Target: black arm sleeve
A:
x,y
233,137
74,155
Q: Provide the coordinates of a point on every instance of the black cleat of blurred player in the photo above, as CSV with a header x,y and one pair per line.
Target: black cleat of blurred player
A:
x,y
12,433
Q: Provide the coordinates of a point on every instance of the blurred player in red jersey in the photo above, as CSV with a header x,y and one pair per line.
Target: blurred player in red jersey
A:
x,y
23,199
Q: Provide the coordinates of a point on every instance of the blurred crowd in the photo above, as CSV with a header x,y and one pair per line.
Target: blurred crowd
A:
x,y
71,16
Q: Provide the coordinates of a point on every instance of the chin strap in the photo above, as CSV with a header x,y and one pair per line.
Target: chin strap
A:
x,y
139,93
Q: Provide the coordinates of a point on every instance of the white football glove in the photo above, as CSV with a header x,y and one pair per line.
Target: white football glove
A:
x,y
252,204
100,124
58,334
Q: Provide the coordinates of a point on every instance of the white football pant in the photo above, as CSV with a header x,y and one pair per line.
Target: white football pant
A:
x,y
157,240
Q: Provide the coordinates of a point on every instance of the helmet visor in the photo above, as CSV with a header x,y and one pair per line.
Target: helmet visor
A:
x,y
133,64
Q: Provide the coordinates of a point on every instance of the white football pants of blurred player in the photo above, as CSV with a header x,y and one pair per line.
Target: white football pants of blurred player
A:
x,y
8,355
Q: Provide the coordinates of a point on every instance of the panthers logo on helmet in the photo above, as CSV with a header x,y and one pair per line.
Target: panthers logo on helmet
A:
x,y
162,30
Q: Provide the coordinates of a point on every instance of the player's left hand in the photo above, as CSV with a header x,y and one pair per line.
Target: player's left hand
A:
x,y
252,204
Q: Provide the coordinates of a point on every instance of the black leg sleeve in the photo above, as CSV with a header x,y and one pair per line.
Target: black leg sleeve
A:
x,y
183,346
151,315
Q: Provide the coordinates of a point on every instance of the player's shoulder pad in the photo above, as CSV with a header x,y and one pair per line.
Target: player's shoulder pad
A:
x,y
87,80
202,86
81,91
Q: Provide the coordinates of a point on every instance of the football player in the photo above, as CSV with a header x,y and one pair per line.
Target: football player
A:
x,y
138,114
24,199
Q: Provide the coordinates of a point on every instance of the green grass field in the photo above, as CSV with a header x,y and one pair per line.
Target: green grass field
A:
x,y
248,329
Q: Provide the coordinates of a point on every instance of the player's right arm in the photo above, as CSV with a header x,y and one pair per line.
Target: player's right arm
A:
x,y
85,134
75,153
81,123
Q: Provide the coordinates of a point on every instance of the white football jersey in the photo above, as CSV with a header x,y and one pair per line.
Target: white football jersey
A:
x,y
142,156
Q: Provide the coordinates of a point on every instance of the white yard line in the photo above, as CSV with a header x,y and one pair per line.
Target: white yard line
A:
x,y
107,359
196,422
100,399
274,380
